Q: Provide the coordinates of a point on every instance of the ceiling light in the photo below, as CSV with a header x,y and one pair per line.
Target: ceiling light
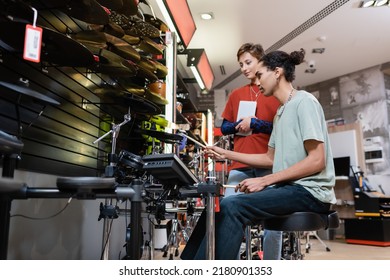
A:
x,y
207,16
373,3
367,3
179,19
321,38
318,50
200,66
381,3
310,70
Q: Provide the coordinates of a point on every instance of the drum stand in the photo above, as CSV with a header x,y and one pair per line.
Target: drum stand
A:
x,y
174,238
109,172
10,149
210,190
180,233
198,164
70,188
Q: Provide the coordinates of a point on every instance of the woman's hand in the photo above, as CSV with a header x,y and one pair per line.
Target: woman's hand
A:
x,y
245,125
218,152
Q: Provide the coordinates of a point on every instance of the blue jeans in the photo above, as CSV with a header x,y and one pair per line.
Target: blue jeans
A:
x,y
272,240
238,211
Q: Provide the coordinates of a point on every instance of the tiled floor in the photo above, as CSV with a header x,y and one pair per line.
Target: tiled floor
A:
x,y
339,250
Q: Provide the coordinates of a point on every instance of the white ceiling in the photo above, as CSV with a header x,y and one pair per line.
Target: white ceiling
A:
x,y
355,38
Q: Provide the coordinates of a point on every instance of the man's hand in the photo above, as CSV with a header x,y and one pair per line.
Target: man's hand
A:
x,y
252,185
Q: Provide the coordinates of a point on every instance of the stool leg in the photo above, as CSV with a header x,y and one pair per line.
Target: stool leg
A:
x,y
151,243
321,241
308,244
248,242
299,255
292,246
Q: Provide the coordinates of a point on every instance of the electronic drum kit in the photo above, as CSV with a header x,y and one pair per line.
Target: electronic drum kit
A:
x,y
152,179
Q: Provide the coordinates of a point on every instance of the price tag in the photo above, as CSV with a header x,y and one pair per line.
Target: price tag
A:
x,y
32,43
168,38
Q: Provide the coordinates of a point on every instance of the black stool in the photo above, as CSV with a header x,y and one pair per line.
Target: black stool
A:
x,y
298,222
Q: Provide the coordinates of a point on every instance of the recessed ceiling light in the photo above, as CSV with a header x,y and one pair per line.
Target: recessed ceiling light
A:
x,y
321,38
207,16
367,3
318,50
380,3
310,70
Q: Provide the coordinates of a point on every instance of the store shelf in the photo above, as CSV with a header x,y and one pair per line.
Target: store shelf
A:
x,y
185,95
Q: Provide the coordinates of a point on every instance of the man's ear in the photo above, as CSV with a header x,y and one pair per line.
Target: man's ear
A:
x,y
278,72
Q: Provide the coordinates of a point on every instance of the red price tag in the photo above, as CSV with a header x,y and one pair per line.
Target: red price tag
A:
x,y
32,43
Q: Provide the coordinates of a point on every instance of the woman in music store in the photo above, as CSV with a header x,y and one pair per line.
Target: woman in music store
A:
x,y
252,132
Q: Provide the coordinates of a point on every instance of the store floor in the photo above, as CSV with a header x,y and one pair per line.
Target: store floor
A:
x,y
339,250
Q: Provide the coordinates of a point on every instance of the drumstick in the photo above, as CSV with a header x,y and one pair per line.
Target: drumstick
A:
x,y
229,186
200,144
